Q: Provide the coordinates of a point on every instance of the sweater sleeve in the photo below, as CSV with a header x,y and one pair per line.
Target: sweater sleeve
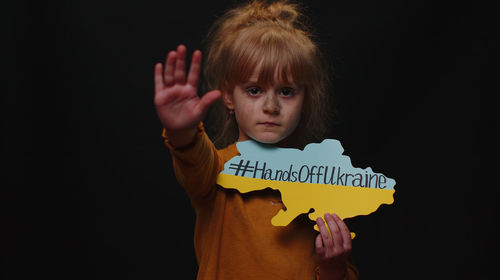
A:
x,y
196,166
350,274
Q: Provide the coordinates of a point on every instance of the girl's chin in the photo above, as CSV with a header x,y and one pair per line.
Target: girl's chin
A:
x,y
268,138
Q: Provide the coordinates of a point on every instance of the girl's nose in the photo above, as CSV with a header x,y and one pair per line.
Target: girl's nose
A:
x,y
271,104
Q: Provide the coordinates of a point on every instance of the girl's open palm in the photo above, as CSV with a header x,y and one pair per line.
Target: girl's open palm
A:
x,y
176,99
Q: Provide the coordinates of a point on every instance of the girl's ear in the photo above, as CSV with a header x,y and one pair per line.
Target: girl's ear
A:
x,y
228,99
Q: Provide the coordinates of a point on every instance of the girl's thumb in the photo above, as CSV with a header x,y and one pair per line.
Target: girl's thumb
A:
x,y
208,99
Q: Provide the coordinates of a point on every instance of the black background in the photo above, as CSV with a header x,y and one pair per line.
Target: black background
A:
x,y
87,185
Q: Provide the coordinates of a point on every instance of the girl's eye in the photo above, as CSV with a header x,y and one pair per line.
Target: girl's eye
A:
x,y
253,91
287,92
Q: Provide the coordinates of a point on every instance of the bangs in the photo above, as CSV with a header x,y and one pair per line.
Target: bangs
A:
x,y
266,49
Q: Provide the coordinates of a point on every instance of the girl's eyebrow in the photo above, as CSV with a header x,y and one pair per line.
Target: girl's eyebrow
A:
x,y
252,80
281,84
248,82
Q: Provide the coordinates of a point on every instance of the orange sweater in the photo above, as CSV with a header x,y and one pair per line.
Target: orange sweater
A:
x,y
234,238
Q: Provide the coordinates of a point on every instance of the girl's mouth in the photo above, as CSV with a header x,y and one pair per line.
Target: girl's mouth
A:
x,y
269,124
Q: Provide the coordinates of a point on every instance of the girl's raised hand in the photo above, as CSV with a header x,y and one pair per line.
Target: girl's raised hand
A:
x,y
177,103
332,250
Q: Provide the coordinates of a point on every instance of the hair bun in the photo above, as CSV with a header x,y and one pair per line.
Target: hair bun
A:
x,y
281,12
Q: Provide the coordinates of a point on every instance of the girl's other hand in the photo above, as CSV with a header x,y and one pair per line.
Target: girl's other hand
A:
x,y
176,100
332,250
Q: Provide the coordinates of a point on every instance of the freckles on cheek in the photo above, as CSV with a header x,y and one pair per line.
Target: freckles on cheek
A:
x,y
241,119
240,112
243,110
296,112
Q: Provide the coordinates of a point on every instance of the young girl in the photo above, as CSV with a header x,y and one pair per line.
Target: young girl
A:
x,y
267,81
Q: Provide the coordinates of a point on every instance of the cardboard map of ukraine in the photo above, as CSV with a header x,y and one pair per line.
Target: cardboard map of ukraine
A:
x,y
319,177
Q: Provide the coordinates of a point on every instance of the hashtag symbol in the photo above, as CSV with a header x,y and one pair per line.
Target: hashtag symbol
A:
x,y
240,167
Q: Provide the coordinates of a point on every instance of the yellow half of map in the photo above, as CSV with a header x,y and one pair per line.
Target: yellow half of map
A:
x,y
299,198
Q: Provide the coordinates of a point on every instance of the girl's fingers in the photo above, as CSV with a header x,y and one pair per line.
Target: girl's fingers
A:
x,y
169,68
158,77
180,65
194,69
345,232
320,250
335,230
325,235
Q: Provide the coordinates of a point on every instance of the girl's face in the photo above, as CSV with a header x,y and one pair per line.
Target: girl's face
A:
x,y
266,113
